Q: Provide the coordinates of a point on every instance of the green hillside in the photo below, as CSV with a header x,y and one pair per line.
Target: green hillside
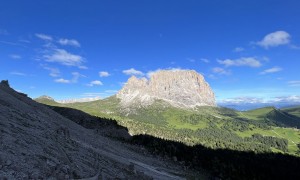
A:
x,y
261,130
293,111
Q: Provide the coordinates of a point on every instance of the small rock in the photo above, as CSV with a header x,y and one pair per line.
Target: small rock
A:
x,y
174,158
8,162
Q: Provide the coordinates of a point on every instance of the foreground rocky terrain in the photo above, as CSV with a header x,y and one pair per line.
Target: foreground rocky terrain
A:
x,y
36,142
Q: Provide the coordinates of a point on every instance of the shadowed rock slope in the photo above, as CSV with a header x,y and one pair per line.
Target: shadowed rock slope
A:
x,y
36,142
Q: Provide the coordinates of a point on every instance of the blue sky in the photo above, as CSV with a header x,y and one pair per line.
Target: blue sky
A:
x,y
246,50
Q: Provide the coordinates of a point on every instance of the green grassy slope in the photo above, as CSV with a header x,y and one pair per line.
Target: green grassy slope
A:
x,y
214,127
294,111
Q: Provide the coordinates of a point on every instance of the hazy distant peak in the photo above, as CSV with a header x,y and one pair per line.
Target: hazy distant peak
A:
x,y
46,97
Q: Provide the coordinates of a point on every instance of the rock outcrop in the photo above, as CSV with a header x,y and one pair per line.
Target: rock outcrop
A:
x,y
181,88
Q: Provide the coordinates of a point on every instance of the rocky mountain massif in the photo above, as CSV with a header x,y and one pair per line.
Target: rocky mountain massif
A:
x,y
180,88
38,143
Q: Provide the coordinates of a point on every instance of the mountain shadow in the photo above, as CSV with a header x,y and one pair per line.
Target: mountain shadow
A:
x,y
103,126
283,118
221,163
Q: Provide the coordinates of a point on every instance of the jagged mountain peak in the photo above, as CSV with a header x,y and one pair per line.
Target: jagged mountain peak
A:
x,y
181,88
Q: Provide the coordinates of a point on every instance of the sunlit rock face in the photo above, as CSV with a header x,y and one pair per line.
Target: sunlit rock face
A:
x,y
181,88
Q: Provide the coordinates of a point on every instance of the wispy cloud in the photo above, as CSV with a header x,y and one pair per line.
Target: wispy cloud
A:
x,y
271,70
104,74
295,46
150,73
13,43
133,71
92,94
95,83
105,93
254,100
18,73
75,77
62,80
54,72
204,60
44,37
286,99
218,70
294,83
238,49
243,61
275,39
63,57
191,60
51,53
70,42
111,91
15,56
24,41
240,100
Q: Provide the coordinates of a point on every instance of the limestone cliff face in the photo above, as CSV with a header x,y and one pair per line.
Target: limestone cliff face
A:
x,y
181,88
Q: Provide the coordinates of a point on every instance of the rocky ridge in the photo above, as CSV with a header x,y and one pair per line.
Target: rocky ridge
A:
x,y
180,88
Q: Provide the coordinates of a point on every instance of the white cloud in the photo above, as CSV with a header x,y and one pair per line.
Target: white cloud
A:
x,y
212,76
92,94
150,73
24,41
254,100
44,37
65,58
133,71
219,70
111,91
271,70
295,47
191,60
18,73
75,77
54,72
104,74
286,99
239,100
243,61
70,42
15,56
238,49
275,39
294,83
61,80
204,60
82,67
96,82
